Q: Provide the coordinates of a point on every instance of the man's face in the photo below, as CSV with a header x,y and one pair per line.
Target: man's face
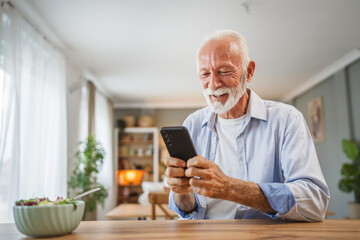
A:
x,y
221,74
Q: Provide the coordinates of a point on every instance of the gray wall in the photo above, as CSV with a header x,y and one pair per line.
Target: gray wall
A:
x,y
354,89
340,107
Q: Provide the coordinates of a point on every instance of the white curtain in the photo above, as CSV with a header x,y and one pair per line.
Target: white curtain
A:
x,y
33,151
103,135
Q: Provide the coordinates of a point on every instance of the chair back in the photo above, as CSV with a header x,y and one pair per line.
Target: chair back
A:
x,y
157,199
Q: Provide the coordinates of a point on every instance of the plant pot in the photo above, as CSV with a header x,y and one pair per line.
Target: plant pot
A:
x,y
353,210
90,216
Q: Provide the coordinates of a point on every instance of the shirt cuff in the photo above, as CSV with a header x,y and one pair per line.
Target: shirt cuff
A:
x,y
279,196
178,211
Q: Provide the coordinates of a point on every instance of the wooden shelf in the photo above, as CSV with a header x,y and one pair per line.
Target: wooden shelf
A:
x,y
137,142
138,149
137,157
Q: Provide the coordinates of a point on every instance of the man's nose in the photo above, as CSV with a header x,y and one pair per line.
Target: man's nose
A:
x,y
214,82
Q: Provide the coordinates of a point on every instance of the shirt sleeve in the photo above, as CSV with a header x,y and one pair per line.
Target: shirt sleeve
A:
x,y
279,196
179,212
302,173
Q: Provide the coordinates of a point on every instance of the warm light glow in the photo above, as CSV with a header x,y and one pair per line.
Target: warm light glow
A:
x,y
130,177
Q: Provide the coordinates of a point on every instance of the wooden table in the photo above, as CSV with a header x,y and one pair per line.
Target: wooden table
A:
x,y
204,229
126,211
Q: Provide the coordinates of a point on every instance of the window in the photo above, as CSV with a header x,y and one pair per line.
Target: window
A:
x,y
33,151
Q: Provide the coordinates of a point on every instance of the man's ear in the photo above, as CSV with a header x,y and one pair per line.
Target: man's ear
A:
x,y
250,71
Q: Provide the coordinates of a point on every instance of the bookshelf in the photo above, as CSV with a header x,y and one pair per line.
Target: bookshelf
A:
x,y
138,149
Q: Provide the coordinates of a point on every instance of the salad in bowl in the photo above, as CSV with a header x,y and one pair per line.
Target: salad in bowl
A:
x,y
46,202
41,217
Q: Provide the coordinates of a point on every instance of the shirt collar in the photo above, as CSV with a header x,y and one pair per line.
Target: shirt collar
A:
x,y
256,109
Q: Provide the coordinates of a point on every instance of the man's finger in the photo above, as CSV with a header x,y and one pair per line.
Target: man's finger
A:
x,y
174,162
198,161
200,183
178,182
197,172
172,172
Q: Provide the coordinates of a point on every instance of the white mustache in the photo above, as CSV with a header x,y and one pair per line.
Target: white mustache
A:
x,y
218,92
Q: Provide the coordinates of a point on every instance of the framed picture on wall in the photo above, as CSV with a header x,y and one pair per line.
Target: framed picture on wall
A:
x,y
316,119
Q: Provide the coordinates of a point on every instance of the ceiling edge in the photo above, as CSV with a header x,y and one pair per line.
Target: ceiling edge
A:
x,y
32,15
323,75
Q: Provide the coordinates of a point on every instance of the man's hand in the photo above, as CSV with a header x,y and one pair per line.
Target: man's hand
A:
x,y
179,184
212,183
215,184
175,173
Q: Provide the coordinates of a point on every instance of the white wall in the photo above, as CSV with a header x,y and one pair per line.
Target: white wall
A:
x,y
73,76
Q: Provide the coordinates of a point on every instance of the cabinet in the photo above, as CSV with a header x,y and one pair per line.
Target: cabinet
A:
x,y
137,149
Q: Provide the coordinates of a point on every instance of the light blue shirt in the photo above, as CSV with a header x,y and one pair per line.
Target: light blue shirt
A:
x,y
276,151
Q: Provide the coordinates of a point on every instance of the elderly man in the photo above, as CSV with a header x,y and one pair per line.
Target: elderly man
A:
x,y
256,158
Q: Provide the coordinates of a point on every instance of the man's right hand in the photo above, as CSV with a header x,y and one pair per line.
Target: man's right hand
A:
x,y
175,173
183,195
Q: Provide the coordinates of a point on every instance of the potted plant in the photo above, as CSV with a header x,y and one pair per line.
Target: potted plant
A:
x,y
350,180
90,158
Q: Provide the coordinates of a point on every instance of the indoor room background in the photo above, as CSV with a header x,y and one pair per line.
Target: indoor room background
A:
x,y
108,60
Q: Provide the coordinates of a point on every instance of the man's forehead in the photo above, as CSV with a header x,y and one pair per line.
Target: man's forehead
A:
x,y
224,48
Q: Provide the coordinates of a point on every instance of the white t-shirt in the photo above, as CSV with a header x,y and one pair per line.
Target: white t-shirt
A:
x,y
227,159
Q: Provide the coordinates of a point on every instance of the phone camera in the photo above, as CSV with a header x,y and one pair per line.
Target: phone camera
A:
x,y
168,141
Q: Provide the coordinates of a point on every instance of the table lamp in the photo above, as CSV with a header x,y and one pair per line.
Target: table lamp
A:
x,y
131,177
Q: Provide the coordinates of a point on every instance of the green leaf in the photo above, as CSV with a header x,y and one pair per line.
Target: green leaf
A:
x,y
349,170
346,185
90,159
350,149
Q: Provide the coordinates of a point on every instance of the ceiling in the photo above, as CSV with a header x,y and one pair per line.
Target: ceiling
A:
x,y
143,52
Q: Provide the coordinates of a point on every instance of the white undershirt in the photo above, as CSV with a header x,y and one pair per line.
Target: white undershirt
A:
x,y
227,159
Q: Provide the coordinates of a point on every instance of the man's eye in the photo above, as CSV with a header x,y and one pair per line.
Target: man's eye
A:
x,y
205,74
224,72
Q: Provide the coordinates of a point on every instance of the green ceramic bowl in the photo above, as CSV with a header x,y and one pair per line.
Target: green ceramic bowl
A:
x,y
48,221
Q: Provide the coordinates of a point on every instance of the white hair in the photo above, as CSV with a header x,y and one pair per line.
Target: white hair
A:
x,y
239,39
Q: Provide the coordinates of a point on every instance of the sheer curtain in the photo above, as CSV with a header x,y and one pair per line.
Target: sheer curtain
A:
x,y
33,151
103,135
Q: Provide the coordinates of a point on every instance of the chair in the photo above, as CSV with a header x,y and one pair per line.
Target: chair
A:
x,y
159,198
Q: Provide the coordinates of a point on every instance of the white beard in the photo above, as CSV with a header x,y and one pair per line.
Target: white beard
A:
x,y
234,95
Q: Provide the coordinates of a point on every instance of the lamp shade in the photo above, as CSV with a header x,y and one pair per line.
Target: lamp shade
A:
x,y
130,177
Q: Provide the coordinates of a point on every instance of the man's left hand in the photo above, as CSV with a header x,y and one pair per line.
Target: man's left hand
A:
x,y
212,183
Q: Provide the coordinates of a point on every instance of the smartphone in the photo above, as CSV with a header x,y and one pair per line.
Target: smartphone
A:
x,y
178,142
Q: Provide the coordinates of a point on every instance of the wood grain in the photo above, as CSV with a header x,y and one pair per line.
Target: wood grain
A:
x,y
126,211
205,229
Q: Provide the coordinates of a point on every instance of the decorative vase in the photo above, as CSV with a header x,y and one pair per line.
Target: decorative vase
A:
x,y
146,121
353,210
129,121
